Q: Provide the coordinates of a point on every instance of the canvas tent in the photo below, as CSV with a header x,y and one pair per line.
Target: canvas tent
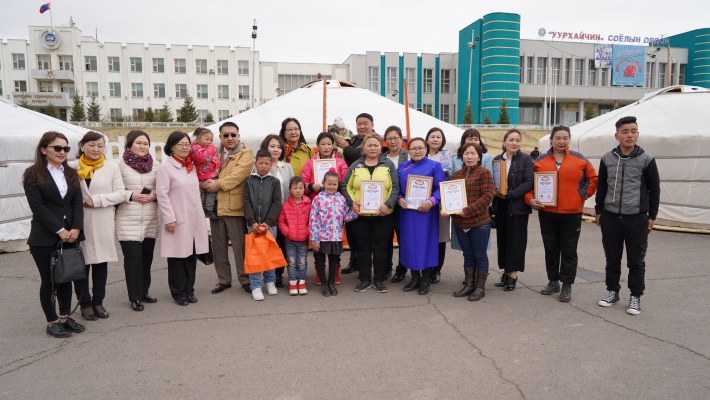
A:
x,y
20,131
343,100
673,126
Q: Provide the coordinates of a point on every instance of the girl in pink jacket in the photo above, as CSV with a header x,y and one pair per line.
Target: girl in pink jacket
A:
x,y
293,223
204,156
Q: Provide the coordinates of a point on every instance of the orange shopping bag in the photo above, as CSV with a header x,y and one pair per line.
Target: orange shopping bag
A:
x,y
261,253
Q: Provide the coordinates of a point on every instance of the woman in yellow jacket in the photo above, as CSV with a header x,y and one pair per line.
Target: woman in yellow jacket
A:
x,y
373,231
296,152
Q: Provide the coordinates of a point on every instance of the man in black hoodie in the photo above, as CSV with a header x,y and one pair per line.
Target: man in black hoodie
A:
x,y
627,201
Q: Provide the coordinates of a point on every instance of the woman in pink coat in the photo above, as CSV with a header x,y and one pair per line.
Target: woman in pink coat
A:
x,y
185,233
326,150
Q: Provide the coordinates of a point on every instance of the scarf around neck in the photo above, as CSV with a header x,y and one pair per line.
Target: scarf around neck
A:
x,y
142,164
87,167
186,162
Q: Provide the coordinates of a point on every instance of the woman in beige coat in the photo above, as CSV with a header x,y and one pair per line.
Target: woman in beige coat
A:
x,y
102,188
137,217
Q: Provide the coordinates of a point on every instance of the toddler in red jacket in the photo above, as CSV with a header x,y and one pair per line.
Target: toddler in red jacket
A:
x,y
293,223
204,155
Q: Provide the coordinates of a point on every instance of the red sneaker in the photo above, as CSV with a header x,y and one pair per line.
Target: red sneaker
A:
x,y
317,282
293,288
302,287
337,274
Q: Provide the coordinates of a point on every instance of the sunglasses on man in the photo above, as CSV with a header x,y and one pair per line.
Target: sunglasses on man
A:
x,y
226,135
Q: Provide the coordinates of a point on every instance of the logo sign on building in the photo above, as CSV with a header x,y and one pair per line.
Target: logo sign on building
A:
x,y
628,64
50,40
42,99
602,56
617,38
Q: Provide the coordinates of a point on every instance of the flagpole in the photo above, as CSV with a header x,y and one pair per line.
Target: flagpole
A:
x,y
51,19
406,109
325,104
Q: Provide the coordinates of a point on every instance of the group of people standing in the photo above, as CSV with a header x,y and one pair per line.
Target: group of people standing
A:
x,y
93,202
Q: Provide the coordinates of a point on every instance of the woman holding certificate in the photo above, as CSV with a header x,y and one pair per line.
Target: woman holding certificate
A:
x,y
435,143
418,198
564,179
371,187
513,173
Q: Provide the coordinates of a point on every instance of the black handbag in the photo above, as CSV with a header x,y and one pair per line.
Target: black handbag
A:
x,y
207,258
68,264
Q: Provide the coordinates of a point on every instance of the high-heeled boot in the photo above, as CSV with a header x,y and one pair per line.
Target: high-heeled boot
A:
x,y
503,278
414,283
425,281
469,285
510,284
480,291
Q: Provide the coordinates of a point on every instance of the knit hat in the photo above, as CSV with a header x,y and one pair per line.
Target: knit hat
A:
x,y
339,123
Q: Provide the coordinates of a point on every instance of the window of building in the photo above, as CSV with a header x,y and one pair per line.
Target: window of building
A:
x,y
649,74
556,65
222,67
391,79
605,108
90,63
427,109
453,81
114,65
605,77
570,117
116,114
529,113
136,64
541,71
674,72
45,86
200,66
201,115
578,72
138,114
444,113
222,91
180,90
288,83
18,61
223,114
373,79
159,90
136,90
428,80
445,82
68,88
43,61
243,91
243,67
66,63
661,75
568,69
411,74
158,65
180,66
20,86
529,77
681,75
114,89
201,91
522,69
591,74
0,88
92,89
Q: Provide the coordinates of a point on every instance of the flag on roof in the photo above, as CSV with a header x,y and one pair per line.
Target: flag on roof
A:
x,y
44,8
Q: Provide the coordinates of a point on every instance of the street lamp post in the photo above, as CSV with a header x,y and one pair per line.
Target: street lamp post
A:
x,y
253,62
471,46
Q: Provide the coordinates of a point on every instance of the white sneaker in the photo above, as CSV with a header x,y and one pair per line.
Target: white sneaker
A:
x,y
634,305
302,288
293,288
257,295
271,288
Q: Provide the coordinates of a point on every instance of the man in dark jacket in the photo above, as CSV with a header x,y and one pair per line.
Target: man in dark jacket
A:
x,y
627,203
535,154
262,205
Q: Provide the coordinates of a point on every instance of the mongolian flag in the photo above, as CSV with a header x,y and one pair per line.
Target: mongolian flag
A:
x,y
45,7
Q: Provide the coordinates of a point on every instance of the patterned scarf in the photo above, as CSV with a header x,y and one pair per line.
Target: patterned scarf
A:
x,y
142,164
290,150
187,162
87,167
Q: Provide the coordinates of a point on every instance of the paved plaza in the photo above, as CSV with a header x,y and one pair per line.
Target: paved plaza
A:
x,y
510,345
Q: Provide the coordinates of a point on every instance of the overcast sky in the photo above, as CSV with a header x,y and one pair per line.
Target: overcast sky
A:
x,y
329,31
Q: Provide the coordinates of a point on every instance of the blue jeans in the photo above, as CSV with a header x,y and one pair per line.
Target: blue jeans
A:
x,y
296,254
474,244
269,276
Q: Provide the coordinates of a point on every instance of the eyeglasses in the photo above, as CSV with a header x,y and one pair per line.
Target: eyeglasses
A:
x,y
183,145
293,130
58,149
417,149
226,135
394,139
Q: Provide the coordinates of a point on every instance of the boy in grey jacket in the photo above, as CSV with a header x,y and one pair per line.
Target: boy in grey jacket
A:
x,y
627,203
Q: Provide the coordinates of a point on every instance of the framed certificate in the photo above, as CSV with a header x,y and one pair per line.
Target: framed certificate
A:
x,y
320,167
372,196
546,188
453,196
418,190
500,175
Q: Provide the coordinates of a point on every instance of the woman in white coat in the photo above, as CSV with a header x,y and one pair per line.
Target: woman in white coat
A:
x,y
102,188
137,217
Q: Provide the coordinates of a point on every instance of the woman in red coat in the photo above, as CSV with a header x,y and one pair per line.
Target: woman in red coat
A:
x,y
326,150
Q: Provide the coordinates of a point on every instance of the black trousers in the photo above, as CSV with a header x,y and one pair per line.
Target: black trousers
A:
x,y
442,257
281,241
43,259
631,230
512,238
181,275
99,275
333,261
401,269
351,241
371,235
560,235
137,259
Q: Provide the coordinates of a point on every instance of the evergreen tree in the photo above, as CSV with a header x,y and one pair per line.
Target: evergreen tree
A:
x,y
487,119
468,114
149,115
588,112
93,111
503,117
24,103
165,114
52,111
209,117
77,111
188,113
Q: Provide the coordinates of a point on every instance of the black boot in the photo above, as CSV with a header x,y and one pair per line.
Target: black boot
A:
x,y
510,284
425,281
469,284
414,283
503,277
352,267
324,289
331,286
279,280
480,291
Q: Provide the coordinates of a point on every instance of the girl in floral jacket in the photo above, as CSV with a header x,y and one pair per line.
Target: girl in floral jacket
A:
x,y
328,213
204,156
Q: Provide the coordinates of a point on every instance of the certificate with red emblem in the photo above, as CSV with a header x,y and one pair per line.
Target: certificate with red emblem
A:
x,y
372,196
546,188
418,190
